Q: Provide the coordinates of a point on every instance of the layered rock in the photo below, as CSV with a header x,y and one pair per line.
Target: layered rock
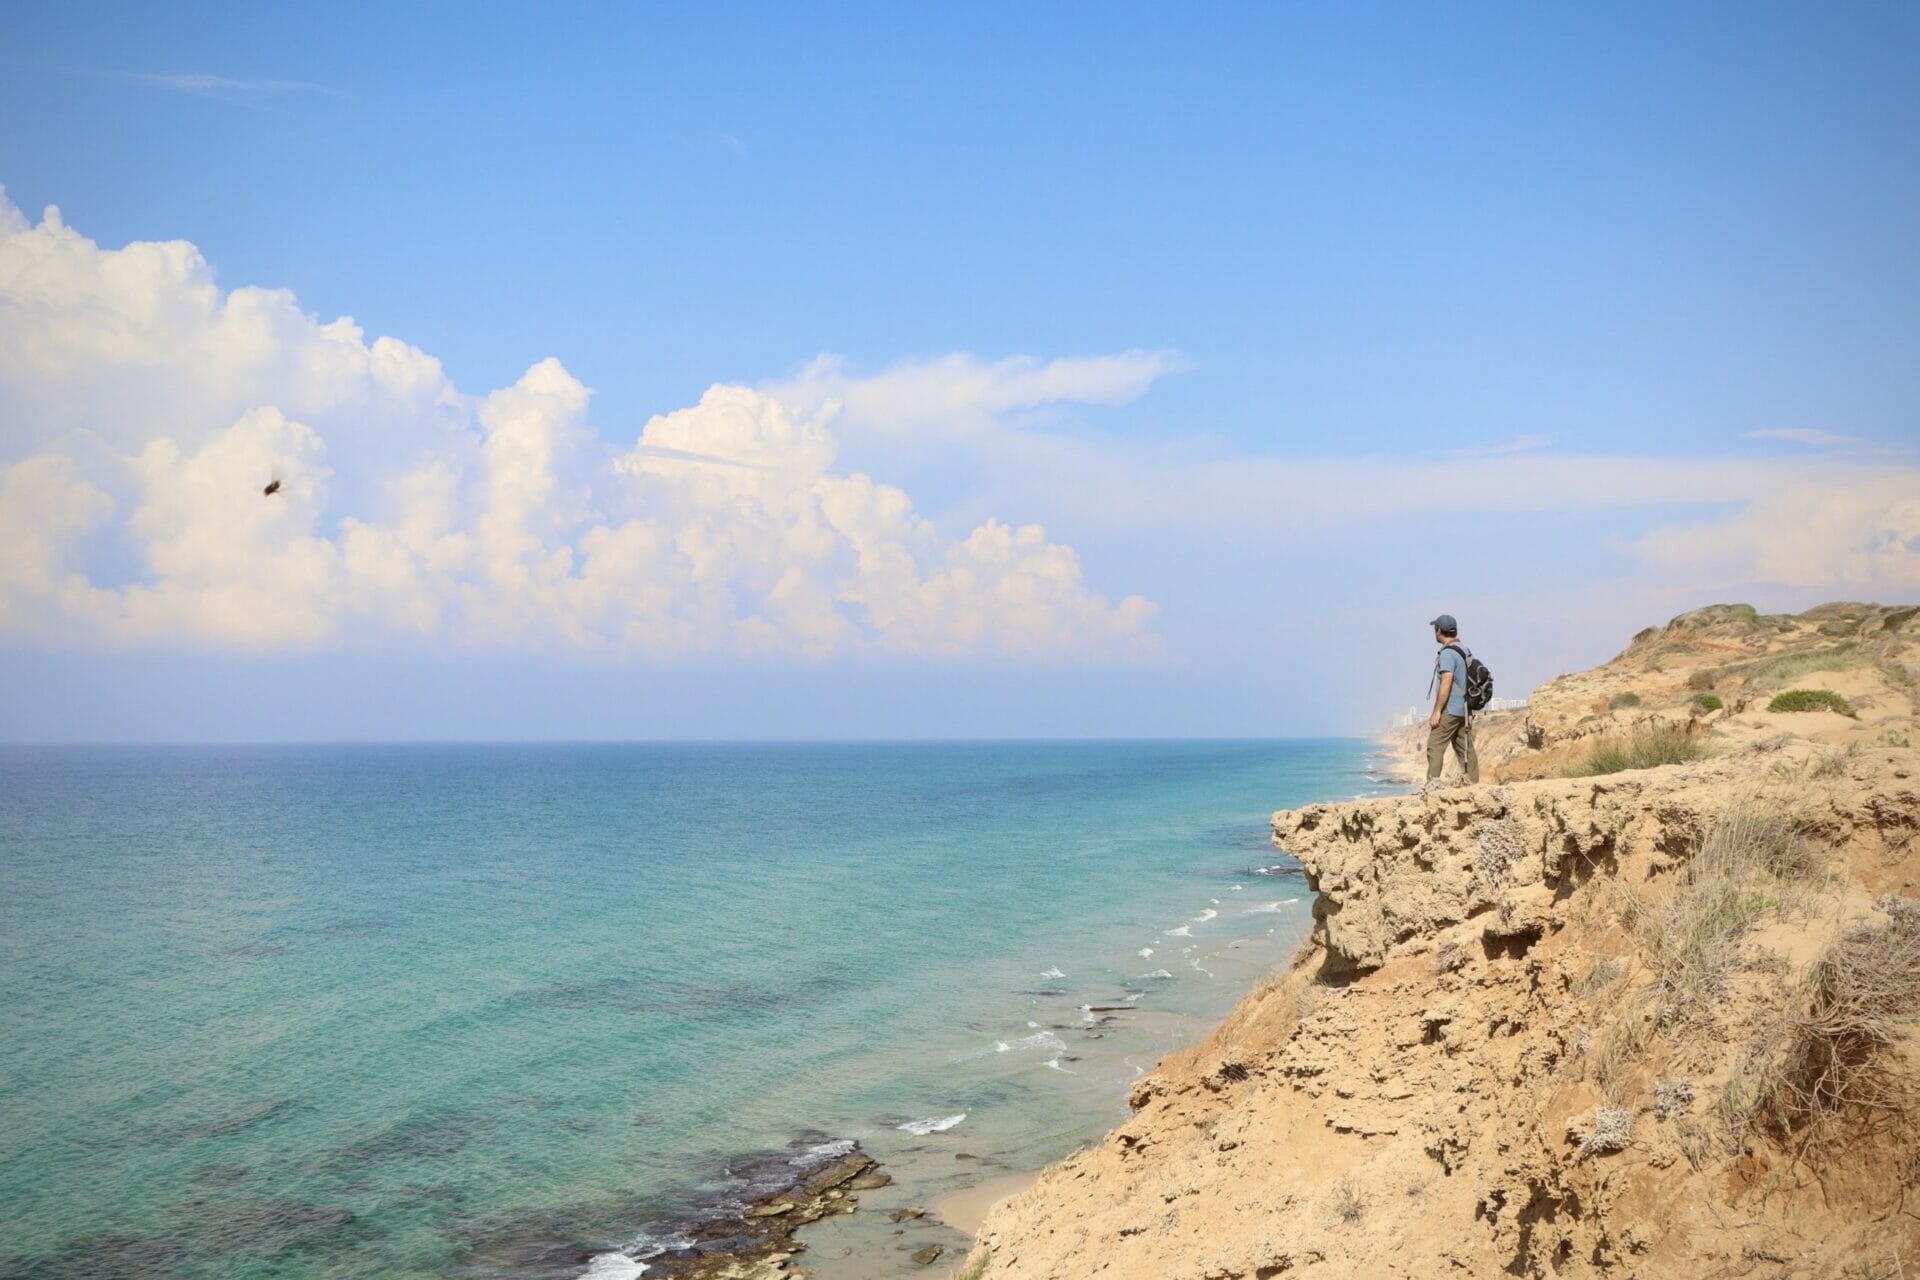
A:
x,y
1477,1065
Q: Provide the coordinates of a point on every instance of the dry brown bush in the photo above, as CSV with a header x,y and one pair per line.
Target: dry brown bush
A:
x,y
1860,993
1746,862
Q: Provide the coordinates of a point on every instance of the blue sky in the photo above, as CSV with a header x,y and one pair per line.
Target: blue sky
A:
x,y
1409,308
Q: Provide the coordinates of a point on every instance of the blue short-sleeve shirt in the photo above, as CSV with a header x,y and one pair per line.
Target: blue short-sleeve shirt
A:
x,y
1451,660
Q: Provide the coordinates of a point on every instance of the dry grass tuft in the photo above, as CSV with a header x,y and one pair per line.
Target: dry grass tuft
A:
x,y
1860,993
1746,863
1646,749
1604,972
1348,1205
1610,1065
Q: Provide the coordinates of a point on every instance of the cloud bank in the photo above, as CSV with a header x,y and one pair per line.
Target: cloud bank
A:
x,y
143,411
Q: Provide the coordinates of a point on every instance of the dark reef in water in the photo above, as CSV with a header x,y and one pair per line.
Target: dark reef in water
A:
x,y
751,1221
762,1231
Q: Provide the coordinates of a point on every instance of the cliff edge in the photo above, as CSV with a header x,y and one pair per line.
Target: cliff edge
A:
x,y
1651,1020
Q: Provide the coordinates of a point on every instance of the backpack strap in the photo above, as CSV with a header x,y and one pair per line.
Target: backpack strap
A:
x,y
1465,659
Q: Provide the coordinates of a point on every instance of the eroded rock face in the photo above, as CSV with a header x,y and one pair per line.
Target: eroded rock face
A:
x,y
1464,1074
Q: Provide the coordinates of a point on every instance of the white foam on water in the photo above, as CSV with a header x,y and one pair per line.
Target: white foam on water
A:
x,y
1237,888
1144,952
1181,932
1052,973
937,1125
1214,901
1161,974
1033,1024
613,1266
826,1151
1054,1062
1040,1040
1275,905
1196,964
1205,915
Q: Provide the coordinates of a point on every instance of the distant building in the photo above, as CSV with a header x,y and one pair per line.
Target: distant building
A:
x,y
1414,715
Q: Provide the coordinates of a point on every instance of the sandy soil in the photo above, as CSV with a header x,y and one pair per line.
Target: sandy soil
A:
x,y
1562,1026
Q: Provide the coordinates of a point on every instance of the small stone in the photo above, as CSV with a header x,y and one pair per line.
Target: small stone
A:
x,y
773,1210
869,1180
965,1155
911,1211
925,1257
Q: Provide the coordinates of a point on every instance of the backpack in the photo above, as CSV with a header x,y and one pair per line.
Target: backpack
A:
x,y
1479,680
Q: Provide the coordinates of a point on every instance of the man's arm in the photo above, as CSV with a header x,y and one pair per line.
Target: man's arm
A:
x,y
1440,703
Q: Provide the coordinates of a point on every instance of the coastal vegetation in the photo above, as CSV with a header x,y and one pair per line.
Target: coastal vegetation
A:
x,y
1811,700
1663,1024
1622,700
1748,860
1643,749
1860,997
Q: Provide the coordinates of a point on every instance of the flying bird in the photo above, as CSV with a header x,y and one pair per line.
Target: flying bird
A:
x,y
272,488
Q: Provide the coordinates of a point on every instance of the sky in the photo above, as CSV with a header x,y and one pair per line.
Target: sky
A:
x,y
890,371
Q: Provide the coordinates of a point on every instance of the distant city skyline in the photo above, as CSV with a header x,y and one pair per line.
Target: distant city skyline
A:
x,y
759,373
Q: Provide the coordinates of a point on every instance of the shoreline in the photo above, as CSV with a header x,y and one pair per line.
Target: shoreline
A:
x,y
923,1194
1483,1063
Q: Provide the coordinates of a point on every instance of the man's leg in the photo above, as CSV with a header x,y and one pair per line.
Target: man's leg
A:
x,y
1463,743
1437,738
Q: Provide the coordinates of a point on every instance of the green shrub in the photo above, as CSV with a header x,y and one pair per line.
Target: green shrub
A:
x,y
1705,702
1627,699
1702,679
1811,700
1643,750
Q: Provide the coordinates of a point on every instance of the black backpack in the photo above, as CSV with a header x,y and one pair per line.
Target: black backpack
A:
x,y
1479,680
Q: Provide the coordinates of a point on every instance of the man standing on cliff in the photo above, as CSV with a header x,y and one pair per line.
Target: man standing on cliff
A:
x,y
1449,722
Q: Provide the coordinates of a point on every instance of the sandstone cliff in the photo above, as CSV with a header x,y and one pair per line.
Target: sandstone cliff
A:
x,y
1657,1022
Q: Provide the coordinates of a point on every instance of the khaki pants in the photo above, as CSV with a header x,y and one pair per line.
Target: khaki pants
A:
x,y
1459,731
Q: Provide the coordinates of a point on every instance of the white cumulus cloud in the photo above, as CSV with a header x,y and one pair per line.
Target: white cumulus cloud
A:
x,y
1861,536
144,410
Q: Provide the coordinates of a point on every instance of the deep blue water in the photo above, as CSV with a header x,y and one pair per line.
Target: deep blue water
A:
x,y
402,1010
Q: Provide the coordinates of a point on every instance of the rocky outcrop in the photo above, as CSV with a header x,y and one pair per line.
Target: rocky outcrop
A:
x,y
757,1240
1710,672
1496,1056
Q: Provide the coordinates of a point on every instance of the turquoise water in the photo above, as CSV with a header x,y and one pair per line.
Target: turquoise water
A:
x,y
472,1010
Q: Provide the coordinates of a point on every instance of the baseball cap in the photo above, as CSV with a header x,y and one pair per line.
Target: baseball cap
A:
x,y
1446,623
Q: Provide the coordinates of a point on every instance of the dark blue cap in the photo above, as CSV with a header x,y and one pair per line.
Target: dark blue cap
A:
x,y
1446,624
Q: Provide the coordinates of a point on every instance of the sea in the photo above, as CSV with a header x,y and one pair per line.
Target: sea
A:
x,y
531,1010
